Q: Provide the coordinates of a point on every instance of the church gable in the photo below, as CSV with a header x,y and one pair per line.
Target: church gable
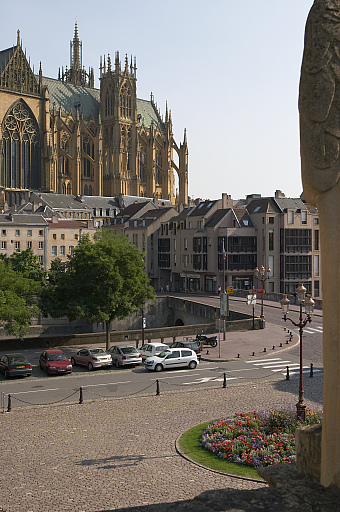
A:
x,y
15,71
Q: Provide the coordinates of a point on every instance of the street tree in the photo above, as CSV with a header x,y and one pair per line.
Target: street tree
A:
x,y
104,280
17,299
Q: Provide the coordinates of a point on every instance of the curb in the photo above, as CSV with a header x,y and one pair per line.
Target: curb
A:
x,y
181,454
220,360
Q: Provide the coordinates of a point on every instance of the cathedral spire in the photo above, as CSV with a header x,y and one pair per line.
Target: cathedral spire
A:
x,y
18,39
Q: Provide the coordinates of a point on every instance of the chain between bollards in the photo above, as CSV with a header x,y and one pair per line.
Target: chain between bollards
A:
x,y
157,388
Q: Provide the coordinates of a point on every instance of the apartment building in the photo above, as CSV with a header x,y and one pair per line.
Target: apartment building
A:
x,y
48,238
288,243
206,246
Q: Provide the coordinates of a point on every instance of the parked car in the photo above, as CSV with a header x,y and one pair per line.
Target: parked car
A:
x,y
151,349
124,355
172,358
193,345
14,365
92,358
55,361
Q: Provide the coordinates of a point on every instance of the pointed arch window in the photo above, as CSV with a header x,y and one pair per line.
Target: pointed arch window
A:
x,y
69,190
86,190
125,101
21,148
64,165
88,146
63,188
109,102
90,190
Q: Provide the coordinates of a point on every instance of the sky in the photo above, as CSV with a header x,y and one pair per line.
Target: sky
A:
x,y
228,69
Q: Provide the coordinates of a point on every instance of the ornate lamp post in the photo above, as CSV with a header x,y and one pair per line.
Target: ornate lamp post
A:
x,y
262,275
308,304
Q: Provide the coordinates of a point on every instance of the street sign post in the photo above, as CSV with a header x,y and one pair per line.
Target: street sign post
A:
x,y
251,301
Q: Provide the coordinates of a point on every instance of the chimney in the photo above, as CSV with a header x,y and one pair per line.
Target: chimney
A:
x,y
54,219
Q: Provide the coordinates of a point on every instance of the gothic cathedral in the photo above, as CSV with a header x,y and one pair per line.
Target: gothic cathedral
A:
x,y
65,136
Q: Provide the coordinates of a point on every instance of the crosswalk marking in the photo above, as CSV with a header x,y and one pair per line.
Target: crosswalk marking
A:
x,y
276,365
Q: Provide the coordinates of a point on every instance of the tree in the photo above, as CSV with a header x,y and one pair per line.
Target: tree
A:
x,y
104,279
17,299
28,264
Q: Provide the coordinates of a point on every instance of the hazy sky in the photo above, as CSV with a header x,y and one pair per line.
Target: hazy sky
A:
x,y
229,70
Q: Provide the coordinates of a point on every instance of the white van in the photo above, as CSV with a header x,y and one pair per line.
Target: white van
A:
x,y
152,349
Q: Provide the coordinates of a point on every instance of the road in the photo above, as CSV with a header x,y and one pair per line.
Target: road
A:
x,y
113,383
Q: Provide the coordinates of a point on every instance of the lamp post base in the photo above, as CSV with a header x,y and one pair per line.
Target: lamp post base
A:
x,y
301,411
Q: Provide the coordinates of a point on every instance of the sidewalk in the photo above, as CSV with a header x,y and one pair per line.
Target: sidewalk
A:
x,y
244,344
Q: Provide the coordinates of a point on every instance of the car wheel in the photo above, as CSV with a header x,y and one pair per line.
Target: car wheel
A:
x,y
117,363
213,343
90,366
158,368
192,365
73,363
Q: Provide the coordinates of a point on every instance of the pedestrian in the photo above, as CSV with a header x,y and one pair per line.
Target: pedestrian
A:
x,y
219,290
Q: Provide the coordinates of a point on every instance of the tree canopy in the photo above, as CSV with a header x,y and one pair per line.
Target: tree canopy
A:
x,y
104,279
17,295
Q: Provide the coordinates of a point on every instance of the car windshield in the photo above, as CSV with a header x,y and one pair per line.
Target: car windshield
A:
x,y
18,358
164,354
129,350
57,357
98,351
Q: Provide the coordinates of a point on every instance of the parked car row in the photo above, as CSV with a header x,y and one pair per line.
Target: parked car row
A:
x,y
156,356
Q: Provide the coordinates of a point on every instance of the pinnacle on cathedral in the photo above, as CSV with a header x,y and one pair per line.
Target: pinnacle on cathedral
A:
x,y
76,74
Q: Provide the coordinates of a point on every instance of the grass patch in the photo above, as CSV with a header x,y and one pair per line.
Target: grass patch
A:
x,y
189,444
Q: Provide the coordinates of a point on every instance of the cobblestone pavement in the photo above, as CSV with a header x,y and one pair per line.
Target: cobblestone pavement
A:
x,y
117,454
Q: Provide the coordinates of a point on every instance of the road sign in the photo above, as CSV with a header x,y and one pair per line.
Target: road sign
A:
x,y
251,299
257,291
230,289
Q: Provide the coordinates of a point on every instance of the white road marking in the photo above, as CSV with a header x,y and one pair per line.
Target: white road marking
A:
x,y
207,379
268,360
34,391
105,384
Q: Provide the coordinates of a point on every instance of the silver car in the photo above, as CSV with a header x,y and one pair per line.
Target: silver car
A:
x,y
92,358
172,358
125,355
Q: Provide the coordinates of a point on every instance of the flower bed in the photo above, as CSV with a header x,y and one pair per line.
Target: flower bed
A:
x,y
256,438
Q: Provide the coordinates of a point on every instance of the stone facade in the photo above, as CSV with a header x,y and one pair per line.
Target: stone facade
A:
x,y
65,136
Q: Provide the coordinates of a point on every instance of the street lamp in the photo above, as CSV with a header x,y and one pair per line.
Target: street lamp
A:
x,y
308,304
262,274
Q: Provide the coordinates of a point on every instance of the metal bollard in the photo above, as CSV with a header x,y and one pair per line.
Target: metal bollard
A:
x,y
80,395
238,355
311,373
157,388
287,376
253,353
9,406
287,341
280,344
273,347
207,352
264,350
224,380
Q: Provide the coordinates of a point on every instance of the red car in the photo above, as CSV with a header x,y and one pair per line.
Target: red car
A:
x,y
54,361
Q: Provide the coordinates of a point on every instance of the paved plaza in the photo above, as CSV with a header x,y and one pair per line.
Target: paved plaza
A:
x,y
120,453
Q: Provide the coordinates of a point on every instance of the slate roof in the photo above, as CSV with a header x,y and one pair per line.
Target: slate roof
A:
x,y
202,209
60,201
263,205
132,209
5,56
67,224
288,203
18,218
99,202
215,218
154,214
68,96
